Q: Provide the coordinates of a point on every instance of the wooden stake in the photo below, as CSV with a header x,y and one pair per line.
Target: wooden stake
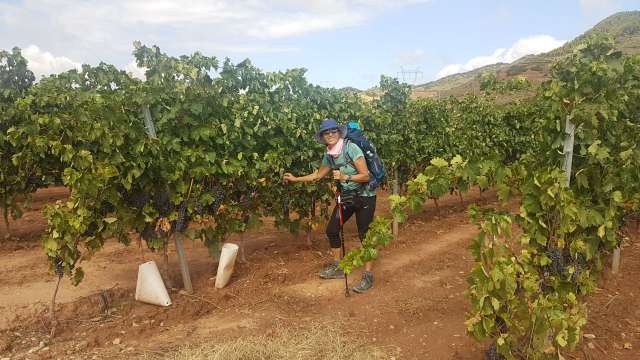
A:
x,y
570,130
5,215
184,266
140,248
52,310
615,263
309,237
165,267
52,306
243,257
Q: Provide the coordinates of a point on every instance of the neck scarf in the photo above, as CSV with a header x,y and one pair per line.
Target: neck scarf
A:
x,y
336,149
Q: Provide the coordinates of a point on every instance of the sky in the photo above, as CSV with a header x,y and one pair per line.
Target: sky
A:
x,y
340,42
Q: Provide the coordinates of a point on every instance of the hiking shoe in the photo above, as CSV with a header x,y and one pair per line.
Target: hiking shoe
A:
x,y
365,284
332,271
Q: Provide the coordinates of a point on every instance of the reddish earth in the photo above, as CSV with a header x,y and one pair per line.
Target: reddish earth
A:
x,y
416,310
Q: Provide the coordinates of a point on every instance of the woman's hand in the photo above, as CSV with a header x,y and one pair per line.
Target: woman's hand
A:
x,y
288,177
337,175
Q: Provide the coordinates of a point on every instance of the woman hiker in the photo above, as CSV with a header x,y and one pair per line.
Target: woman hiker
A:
x,y
350,169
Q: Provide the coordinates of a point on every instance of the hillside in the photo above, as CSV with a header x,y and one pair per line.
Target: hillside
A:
x,y
624,27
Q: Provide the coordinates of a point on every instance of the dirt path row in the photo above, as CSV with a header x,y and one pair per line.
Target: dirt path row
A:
x,y
416,309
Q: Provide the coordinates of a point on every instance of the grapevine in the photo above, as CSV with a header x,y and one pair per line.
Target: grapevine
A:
x,y
226,133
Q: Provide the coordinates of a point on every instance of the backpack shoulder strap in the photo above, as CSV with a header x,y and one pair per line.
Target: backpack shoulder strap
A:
x,y
347,157
351,163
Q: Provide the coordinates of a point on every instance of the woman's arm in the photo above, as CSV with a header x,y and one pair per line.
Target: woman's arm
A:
x,y
316,175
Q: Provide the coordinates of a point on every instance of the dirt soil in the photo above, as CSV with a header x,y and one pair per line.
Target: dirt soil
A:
x,y
416,309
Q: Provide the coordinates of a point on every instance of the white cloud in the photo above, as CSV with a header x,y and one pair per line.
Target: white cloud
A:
x,y
527,46
91,31
134,70
292,25
450,70
259,19
100,20
43,63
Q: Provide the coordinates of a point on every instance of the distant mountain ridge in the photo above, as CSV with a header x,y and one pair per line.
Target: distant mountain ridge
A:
x,y
624,27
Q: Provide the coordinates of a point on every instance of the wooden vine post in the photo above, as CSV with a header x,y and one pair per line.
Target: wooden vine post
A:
x,y
570,130
242,256
5,216
184,265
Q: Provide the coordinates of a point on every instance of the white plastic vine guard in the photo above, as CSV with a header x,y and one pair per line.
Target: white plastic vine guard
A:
x,y
228,257
150,287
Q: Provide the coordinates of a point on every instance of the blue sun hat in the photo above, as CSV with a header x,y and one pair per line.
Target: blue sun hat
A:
x,y
328,124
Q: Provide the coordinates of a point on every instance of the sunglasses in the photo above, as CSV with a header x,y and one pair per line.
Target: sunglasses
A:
x,y
330,132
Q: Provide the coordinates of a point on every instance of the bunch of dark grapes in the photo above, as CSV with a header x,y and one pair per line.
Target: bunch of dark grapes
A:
x,y
198,208
502,325
162,203
557,260
106,208
218,197
180,224
577,271
91,229
59,270
149,232
492,353
246,200
36,181
578,265
138,199
150,236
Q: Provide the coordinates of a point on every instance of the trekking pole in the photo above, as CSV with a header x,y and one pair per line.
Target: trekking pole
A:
x,y
346,283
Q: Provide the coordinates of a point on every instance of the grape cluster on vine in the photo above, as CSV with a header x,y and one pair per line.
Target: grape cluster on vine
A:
x,y
218,198
181,223
162,203
492,353
59,269
138,199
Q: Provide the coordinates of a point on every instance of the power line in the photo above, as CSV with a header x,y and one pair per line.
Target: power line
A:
x,y
410,76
